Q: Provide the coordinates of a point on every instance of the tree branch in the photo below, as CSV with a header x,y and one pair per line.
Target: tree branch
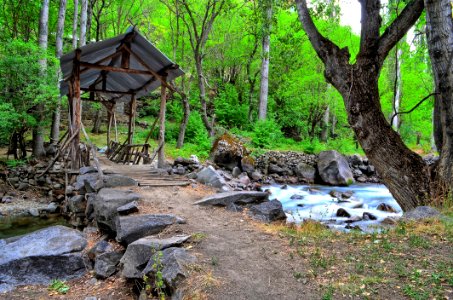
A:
x,y
413,108
399,27
371,22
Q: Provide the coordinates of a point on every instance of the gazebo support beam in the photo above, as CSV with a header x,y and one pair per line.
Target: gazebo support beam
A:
x,y
76,111
115,69
163,104
133,108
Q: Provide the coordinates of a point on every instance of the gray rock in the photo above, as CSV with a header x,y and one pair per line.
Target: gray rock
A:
x,y
256,175
52,207
236,172
139,253
87,170
355,160
86,183
77,204
244,179
128,209
33,212
106,264
421,212
275,169
132,228
23,186
105,206
175,262
192,175
13,180
386,207
7,199
368,216
99,248
210,176
268,211
306,171
115,180
341,212
242,197
43,255
334,168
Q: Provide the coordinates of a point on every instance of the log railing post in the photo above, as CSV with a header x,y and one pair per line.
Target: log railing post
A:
x,y
76,117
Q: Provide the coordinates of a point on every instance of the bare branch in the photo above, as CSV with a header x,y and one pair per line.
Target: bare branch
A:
x,y
413,108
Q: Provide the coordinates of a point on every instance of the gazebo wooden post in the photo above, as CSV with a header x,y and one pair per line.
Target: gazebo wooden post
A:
x,y
133,108
76,111
161,143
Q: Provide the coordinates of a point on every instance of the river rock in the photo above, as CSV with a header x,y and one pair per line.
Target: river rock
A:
x,y
334,168
369,216
421,212
105,206
241,197
175,263
132,228
227,151
268,211
306,172
210,176
275,169
43,255
386,207
106,264
341,212
128,209
139,253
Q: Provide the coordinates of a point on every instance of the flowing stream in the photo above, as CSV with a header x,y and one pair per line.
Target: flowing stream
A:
x,y
322,203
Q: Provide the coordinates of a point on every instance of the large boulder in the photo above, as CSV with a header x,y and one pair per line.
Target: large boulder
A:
x,y
210,176
106,204
227,151
115,180
139,253
43,255
268,211
174,263
334,168
228,198
132,228
306,172
86,183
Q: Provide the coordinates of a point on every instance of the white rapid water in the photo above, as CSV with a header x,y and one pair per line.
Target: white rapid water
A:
x,y
302,202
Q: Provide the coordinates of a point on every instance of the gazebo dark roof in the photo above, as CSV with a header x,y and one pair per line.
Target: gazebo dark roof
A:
x,y
102,68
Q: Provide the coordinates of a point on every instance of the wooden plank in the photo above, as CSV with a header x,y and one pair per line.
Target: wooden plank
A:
x,y
91,89
165,184
115,69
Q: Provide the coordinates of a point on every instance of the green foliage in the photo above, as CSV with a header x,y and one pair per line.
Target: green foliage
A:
x,y
196,134
229,111
156,283
58,286
266,133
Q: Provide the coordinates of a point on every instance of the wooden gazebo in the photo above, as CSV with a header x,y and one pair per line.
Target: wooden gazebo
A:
x,y
118,70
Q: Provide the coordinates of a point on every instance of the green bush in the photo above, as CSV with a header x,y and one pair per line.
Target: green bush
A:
x,y
266,133
229,112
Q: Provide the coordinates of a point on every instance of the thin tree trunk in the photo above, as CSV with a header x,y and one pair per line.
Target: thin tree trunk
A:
x,y
89,19
97,121
38,135
184,122
202,88
161,139
333,127
55,129
74,24
439,31
83,22
325,125
397,90
264,87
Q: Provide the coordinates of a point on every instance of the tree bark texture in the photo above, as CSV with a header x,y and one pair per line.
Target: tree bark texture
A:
x,y
403,171
83,23
264,86
202,88
55,128
75,24
439,31
325,125
38,135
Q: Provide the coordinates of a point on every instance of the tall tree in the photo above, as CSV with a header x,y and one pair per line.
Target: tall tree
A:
x,y
38,135
75,24
403,171
266,6
439,31
83,23
55,129
198,27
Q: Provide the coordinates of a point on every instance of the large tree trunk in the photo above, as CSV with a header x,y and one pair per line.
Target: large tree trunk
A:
x,y
184,122
55,129
83,22
264,87
38,130
403,171
439,31
74,24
